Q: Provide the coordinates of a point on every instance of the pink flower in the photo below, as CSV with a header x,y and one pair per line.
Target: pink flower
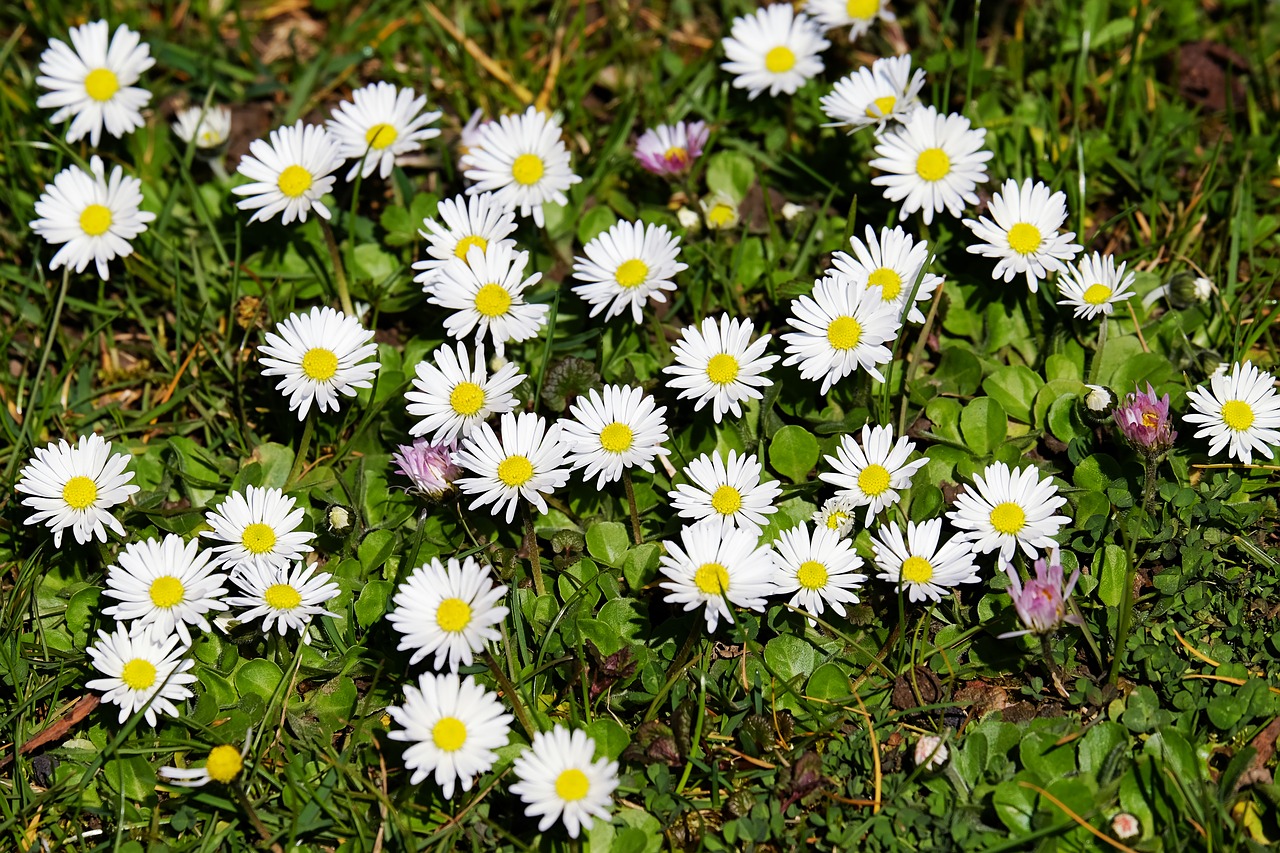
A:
x,y
1125,825
429,466
1144,420
931,752
1041,603
671,149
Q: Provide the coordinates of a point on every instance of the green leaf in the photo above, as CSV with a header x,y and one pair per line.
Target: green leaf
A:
x,y
790,657
79,608
597,219
333,702
372,603
793,452
1171,746
959,372
944,414
132,777
608,542
259,677
731,173
1014,386
1109,566
1014,805
610,737
372,264
829,682
984,425
374,549
276,461
640,566
1098,744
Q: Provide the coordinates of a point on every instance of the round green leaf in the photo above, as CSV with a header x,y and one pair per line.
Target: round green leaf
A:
x,y
607,541
1014,386
984,425
258,676
793,452
829,682
610,737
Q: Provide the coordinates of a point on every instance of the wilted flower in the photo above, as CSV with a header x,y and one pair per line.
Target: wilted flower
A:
x,y
1041,603
1145,422
429,466
931,752
671,149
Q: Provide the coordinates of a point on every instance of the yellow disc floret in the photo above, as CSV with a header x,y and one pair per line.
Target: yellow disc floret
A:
x,y
224,763
282,596
167,591
933,164
294,181
95,220
712,579
453,615
1008,518
515,471
80,492
320,364
101,84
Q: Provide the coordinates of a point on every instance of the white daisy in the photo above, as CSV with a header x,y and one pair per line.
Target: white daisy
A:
x,y
223,765
283,598
560,781
871,474
730,493
920,565
614,429
93,219
93,84
858,15
875,95
931,162
523,161
453,726
718,364
164,584
290,174
259,528
207,128
818,569
627,266
527,462
1239,411
453,394
774,48
75,486
448,609
892,263
840,327
837,515
1024,235
380,123
486,293
1007,509
1094,286
714,567
477,220
141,670
319,354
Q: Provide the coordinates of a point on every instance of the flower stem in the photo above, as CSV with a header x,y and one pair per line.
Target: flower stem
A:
x,y
636,532
1055,673
1152,464
339,271
513,696
38,380
531,549
1095,366
300,458
1125,618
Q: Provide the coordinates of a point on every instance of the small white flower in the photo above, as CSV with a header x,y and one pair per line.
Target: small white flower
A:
x,y
891,263
858,15
1007,509
528,461
207,128
164,584
91,218
282,598
871,474
1203,288
453,726
560,781
818,569
486,294
612,430
447,609
688,218
289,174
223,765
775,48
93,84
1239,411
720,365
523,161
875,95
139,670
477,220
1024,235
837,515
380,123
320,354
627,266
931,752
1099,399
931,163
729,493
1094,286
712,567
918,564
75,486
840,327
258,527
454,394
719,209
791,211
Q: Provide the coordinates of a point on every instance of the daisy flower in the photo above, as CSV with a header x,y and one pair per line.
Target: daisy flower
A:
x,y
283,598
1094,286
92,84
91,218
453,726
713,567
612,430
141,670
730,493
477,220
486,294
223,765
289,174
836,515
75,486
258,527
378,124
718,364
1024,235
670,149
858,15
523,161
1007,509
840,327
1239,410
819,570
875,95
453,394
207,128
918,564
870,474
891,263
930,163
719,209
774,48
527,462
164,584
319,354
428,466
447,609
627,266
560,781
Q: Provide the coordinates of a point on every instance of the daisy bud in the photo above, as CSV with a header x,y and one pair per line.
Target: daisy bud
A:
x,y
1098,404
207,128
687,218
931,753
1185,289
1125,825
1145,421
339,519
1041,603
429,466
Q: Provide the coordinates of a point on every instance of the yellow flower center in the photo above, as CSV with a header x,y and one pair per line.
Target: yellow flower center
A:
x,y
874,480
722,368
95,220
726,500
138,674
721,215
294,181
812,575
380,136
465,244
572,785
453,615
80,492
515,471
862,10
466,398
449,734
1149,419
631,273
320,364
916,570
1097,294
933,164
844,333
836,519
779,60
166,591
101,84
712,579
258,538
281,596
1024,238
224,763
889,282
1008,518
492,300
881,107
675,152
616,437
1236,414
527,169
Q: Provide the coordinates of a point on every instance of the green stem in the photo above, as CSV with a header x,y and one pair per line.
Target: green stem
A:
x,y
1125,619
531,549
33,397
1095,366
509,689
677,665
1152,465
300,458
636,532
339,271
